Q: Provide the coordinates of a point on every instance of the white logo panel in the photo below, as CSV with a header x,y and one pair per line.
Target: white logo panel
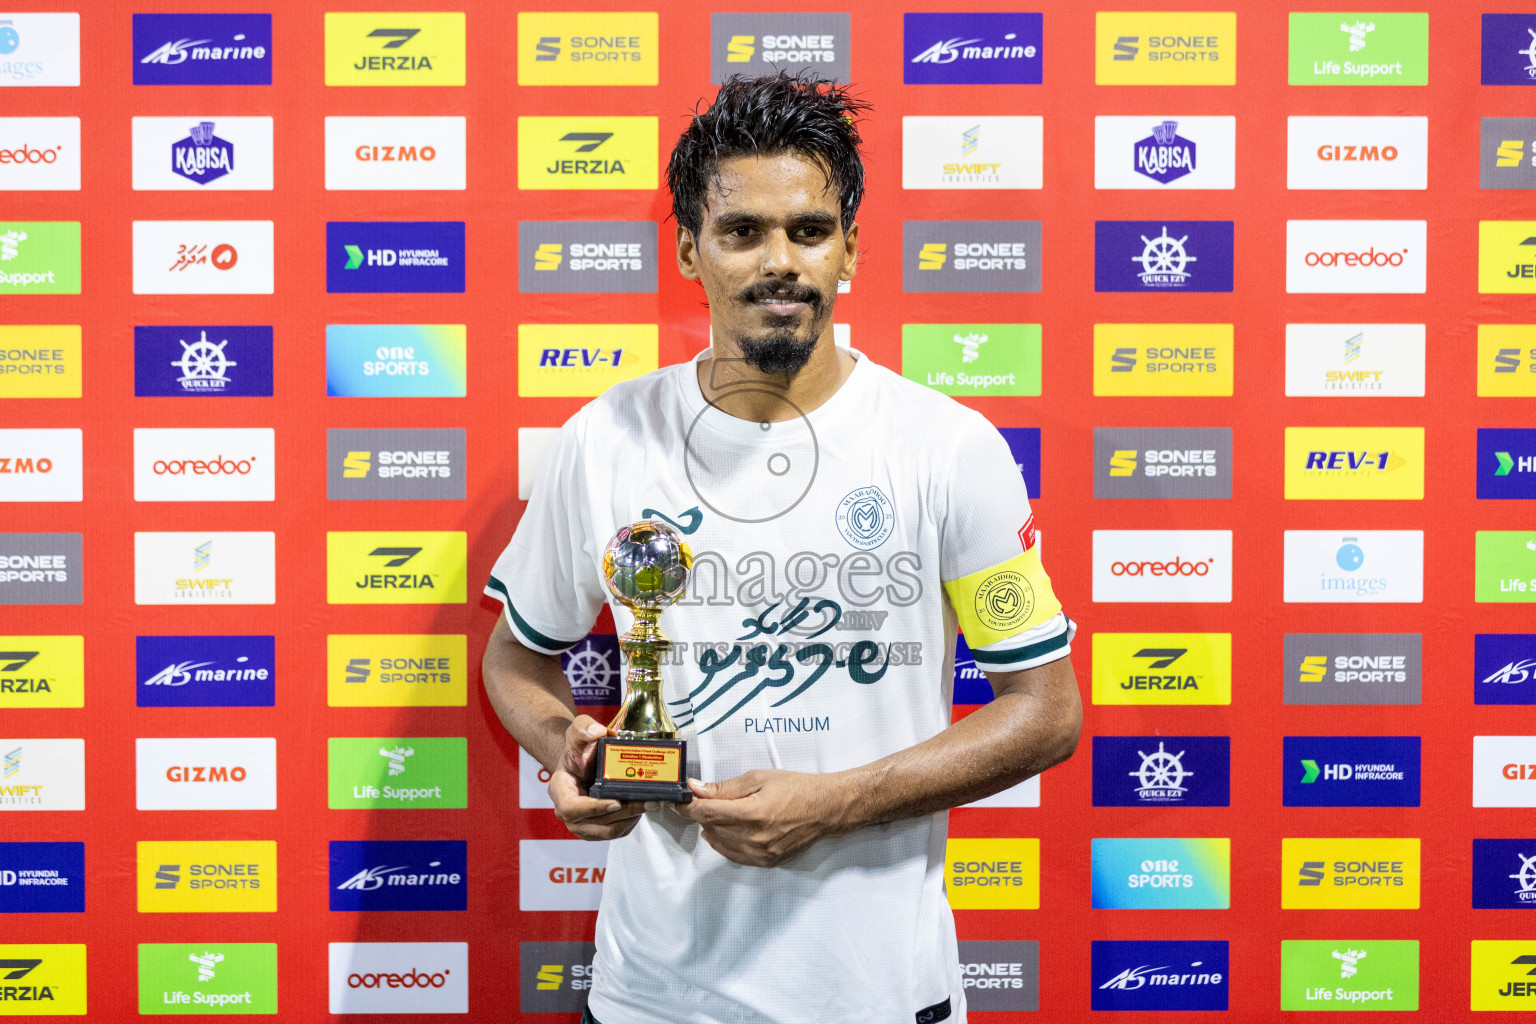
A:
x,y
395,153
42,775
399,977
532,782
202,153
1174,151
1162,565
1025,794
202,257
200,464
972,152
1354,360
533,444
204,568
39,154
1504,771
205,774
1354,566
1355,256
560,874
41,465
43,49
1357,152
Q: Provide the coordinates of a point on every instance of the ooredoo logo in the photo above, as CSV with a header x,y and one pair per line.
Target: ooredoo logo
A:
x,y
1355,256
199,464
399,977
39,154
1162,565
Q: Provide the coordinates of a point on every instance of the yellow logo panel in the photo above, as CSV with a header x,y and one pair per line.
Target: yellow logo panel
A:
x,y
1506,256
396,671
207,877
394,48
1359,463
1162,668
40,361
1349,874
395,567
992,874
1162,360
1165,48
1004,600
42,672
587,48
1501,974
1506,360
42,979
582,360
586,153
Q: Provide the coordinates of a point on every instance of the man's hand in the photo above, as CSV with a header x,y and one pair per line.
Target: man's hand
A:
x,y
587,818
765,816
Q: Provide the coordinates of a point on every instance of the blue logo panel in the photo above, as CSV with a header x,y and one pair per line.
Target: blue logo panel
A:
x,y
1351,771
1162,771
203,361
1504,874
202,49
207,671
1506,463
42,878
971,685
593,669
1504,668
394,256
972,49
1162,256
1159,975
399,875
1509,49
1024,442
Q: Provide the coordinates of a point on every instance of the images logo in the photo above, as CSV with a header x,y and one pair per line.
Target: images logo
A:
x,y
971,152
1361,565
555,976
1162,360
1175,152
1506,566
201,774
562,359
1354,463
1139,256
39,154
399,977
1357,153
39,361
560,874
1503,874
43,978
1393,49
40,568
395,464
395,360
203,464
1167,874
394,256
1162,565
1354,360
202,49
1147,462
1355,256
1378,974
396,670
1509,52
426,772
225,977
573,256
1162,668
1349,874
761,44
42,878
206,671
1506,361
992,874
42,672
1504,668
1162,771
203,257
394,48
224,361
405,875
970,256
971,49
395,153
40,49
607,48
586,153
40,465
1159,975
39,257
1351,771
973,359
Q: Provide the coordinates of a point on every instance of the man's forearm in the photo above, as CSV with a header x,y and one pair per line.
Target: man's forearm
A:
x,y
530,695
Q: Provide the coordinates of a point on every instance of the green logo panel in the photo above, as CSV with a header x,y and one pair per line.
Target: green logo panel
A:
x,y
383,772
982,360
39,257
1359,49
1377,974
1506,565
212,977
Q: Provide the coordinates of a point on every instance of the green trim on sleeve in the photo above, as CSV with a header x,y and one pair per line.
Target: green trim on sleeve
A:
x,y
539,639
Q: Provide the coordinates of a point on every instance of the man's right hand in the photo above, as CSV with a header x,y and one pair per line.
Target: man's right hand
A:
x,y
587,818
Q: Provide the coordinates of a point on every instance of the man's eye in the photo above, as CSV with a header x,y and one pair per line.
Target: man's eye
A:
x,y
742,231
812,234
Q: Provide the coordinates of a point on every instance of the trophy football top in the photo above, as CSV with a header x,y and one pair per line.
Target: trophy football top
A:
x,y
646,565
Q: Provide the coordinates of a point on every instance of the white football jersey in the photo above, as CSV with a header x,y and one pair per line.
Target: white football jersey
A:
x,y
835,555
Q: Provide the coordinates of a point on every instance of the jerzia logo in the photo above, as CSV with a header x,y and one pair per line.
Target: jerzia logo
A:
x,y
394,49
586,153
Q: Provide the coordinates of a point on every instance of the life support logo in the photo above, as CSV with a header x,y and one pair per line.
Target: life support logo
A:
x,y
865,518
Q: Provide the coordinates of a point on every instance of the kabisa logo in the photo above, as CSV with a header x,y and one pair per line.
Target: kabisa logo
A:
x,y
42,671
193,154
607,48
587,153
399,875
1355,256
1162,565
1505,566
203,774
42,878
40,257
1000,974
202,361
1162,771
42,465
1354,360
1507,153
1166,874
391,772
972,49
42,978
761,44
974,359
1359,463
202,156
574,256
399,977
395,464
1504,771
1353,668
40,568
1159,975
1504,668
1377,974
40,154
394,48
394,256
1503,874
592,668
1176,151
202,49
1356,153
992,874
40,49
1162,668
1502,974
396,670
1351,771
560,874
1148,462
970,256
1164,155
1349,874
206,671
1509,50
208,978
1165,48
1141,256
1506,463
1359,49
865,517
555,977
1361,565
40,361
395,360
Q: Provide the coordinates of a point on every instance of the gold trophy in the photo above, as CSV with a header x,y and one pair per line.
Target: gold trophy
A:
x,y
646,566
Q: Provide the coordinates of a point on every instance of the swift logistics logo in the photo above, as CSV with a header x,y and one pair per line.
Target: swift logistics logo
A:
x,y
39,257
42,671
1354,360
588,48
1354,566
395,464
394,256
952,48
1359,49
560,874
42,775
40,361
1162,771
222,361
40,568
1165,48
1504,874
203,877
761,44
1501,974
396,360
395,154
392,773
202,49
982,152
1506,361
1163,874
555,977
1349,874
1507,151
205,774
1162,565
1504,668
586,256
1353,668
587,153
203,257
399,875
1504,771
43,979
1506,463
399,977
1162,360
1150,462
204,568
970,256
1374,974
582,359
1351,771
973,359
206,671
1159,975
1162,256
41,465
395,567
39,154
204,464
1174,151
394,48
195,154
1506,566
40,49
42,878
207,978
1000,974
1162,668
1508,51
397,670
1354,463
1357,153
1333,257
992,874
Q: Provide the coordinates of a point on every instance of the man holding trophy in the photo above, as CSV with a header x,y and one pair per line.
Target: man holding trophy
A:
x,y
790,536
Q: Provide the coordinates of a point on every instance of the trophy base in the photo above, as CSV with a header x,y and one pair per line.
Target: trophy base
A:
x,y
634,769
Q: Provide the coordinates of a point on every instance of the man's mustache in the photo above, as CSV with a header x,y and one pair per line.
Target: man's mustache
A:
x,y
787,291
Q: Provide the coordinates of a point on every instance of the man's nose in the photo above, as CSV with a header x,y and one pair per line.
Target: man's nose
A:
x,y
779,258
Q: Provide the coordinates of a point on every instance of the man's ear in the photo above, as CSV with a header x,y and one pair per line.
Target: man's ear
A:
x,y
687,255
850,253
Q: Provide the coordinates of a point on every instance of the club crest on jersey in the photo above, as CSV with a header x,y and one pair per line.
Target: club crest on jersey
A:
x,y
1004,600
865,518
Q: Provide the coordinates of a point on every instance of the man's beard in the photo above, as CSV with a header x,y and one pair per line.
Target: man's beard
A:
x,y
781,352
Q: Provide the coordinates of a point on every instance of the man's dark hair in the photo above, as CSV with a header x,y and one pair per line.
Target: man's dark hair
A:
x,y
767,116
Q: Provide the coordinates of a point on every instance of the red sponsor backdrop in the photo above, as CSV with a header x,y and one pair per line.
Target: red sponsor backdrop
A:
x,y
1068,205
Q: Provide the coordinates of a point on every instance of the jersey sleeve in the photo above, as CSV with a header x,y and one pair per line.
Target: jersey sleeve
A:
x,y
547,578
989,562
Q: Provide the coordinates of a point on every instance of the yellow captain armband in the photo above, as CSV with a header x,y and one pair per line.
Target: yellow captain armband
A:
x,y
1004,600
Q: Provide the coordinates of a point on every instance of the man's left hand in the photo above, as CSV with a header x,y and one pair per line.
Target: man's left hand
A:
x,y
762,817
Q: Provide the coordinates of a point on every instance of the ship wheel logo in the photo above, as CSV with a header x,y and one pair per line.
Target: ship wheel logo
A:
x,y
1161,775
590,673
1526,876
1163,261
202,365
